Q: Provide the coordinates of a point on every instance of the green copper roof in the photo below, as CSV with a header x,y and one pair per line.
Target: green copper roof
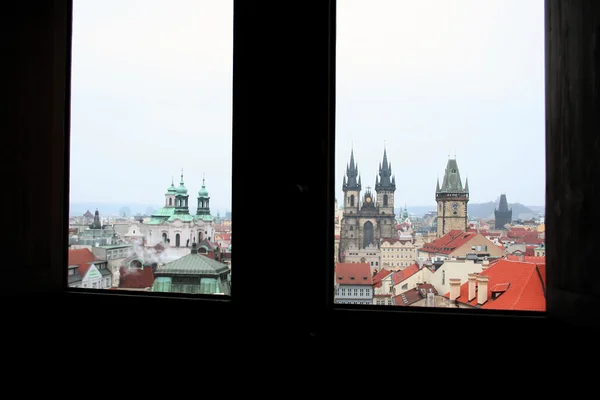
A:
x,y
203,192
164,212
204,217
192,264
182,217
171,189
181,189
452,182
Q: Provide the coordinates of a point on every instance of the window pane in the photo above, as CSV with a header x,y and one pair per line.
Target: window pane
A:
x,y
440,153
150,157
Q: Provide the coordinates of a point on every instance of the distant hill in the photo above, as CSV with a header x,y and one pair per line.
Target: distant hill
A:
x,y
481,210
112,209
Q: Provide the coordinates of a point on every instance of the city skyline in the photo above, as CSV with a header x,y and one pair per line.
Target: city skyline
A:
x,y
427,87
150,98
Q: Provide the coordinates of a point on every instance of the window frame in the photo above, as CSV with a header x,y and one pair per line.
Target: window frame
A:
x,y
45,33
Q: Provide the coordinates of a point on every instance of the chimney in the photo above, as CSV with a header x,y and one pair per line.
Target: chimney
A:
x,y
472,286
482,291
194,249
454,288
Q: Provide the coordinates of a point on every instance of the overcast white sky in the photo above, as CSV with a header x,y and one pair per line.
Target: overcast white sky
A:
x,y
431,78
151,94
152,85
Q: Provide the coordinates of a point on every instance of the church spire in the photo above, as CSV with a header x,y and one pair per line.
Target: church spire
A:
x,y
385,182
452,182
352,173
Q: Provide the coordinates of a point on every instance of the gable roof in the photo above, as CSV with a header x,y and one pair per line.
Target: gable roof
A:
x,y
449,242
83,258
524,285
405,273
379,276
413,295
353,274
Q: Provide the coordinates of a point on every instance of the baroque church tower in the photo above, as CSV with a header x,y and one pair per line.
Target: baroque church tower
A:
x,y
364,223
452,199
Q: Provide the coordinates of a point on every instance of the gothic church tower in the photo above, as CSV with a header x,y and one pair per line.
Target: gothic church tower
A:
x,y
452,199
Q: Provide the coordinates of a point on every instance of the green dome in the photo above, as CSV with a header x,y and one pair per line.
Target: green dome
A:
x,y
181,189
203,192
171,189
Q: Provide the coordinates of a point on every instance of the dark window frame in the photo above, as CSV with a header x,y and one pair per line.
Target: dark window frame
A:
x,y
42,60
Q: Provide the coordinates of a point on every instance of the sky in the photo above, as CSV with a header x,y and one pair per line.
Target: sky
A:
x,y
151,94
152,83
430,79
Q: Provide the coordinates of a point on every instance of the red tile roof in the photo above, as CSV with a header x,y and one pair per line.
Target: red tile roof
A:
x,y
413,295
379,276
529,259
449,242
353,274
225,236
134,278
524,284
405,273
82,258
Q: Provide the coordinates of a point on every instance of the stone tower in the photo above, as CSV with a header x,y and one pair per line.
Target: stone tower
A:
x,y
452,199
502,214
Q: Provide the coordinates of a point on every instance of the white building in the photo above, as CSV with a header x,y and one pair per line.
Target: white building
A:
x,y
87,271
174,225
353,283
370,254
455,269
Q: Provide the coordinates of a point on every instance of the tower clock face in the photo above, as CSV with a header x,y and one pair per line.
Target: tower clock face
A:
x,y
368,199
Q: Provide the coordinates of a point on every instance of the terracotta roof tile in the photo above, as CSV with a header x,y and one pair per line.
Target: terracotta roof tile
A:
x,y
353,274
136,278
413,295
82,258
379,276
449,242
528,259
405,273
526,290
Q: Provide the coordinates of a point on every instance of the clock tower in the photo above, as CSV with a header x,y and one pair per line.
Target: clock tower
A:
x,y
452,199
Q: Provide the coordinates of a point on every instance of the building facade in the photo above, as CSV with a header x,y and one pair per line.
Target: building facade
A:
x,y
451,198
367,218
353,283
